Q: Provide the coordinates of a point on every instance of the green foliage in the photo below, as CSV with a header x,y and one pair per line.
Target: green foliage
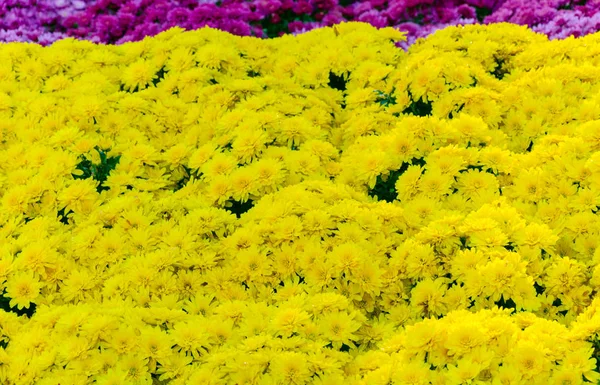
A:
x,y
238,208
183,181
338,82
500,71
419,19
384,99
160,75
418,108
98,172
5,305
271,29
385,188
482,13
596,344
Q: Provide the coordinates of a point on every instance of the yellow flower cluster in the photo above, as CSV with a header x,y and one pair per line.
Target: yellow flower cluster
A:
x,y
200,208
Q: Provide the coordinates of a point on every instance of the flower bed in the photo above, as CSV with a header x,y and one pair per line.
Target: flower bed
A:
x,y
119,21
320,209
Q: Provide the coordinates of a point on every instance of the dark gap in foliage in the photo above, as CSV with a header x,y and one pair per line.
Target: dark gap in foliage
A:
x,y
500,71
238,208
538,289
530,146
5,305
278,24
418,108
482,12
183,181
52,26
384,99
385,190
160,75
571,5
452,114
337,82
474,167
98,172
504,304
419,19
111,8
64,217
595,340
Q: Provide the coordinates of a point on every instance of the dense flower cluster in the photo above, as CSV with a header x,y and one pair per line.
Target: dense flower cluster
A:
x,y
556,18
118,21
37,20
201,208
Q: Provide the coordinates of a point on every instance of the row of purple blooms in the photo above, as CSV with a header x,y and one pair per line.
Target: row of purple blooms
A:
x,y
119,21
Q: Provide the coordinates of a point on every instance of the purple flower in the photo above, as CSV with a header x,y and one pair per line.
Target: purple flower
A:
x,y
119,21
374,18
178,17
267,7
466,12
302,7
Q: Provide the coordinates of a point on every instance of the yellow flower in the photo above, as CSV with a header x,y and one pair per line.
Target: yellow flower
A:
x,y
220,164
77,286
252,265
243,184
191,338
136,368
347,257
15,201
530,185
180,60
220,189
339,328
290,368
412,373
38,257
427,298
423,337
248,144
566,375
123,340
23,289
564,275
407,185
463,372
270,173
112,377
529,360
154,343
434,184
474,183
289,320
536,235
420,261
367,276
139,75
463,338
